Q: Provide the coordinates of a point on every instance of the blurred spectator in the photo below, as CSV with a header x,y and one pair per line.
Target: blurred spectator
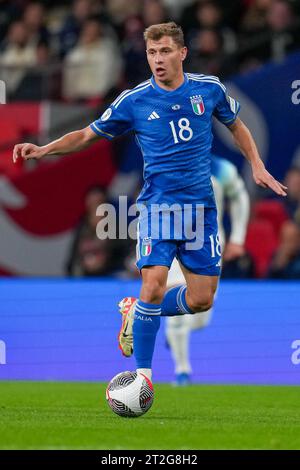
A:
x,y
239,268
37,84
89,255
206,54
9,12
207,16
81,11
252,33
286,261
131,271
35,21
154,12
202,14
255,18
93,67
232,12
136,65
188,19
284,28
120,10
270,29
17,57
176,7
292,201
222,37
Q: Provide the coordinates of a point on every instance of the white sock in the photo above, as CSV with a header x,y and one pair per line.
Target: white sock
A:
x,y
178,335
178,329
146,372
200,320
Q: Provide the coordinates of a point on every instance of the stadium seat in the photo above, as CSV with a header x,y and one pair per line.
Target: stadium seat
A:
x,y
272,211
261,243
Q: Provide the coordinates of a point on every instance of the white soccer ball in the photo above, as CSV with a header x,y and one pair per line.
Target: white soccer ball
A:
x,y
129,394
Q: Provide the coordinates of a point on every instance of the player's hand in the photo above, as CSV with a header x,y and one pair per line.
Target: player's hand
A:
x,y
26,151
263,178
233,251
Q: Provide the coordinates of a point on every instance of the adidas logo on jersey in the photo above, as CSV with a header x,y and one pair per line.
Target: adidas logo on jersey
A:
x,y
153,115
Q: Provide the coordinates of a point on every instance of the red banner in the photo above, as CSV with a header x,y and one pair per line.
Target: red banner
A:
x,y
39,209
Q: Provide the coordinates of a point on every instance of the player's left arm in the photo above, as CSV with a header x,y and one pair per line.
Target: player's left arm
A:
x,y
245,142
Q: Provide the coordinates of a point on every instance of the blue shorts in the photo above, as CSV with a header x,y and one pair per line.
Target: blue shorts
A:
x,y
200,255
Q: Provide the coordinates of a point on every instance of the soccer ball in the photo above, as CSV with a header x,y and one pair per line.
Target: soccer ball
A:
x,y
129,394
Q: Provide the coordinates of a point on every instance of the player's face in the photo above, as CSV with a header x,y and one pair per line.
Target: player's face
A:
x,y
165,59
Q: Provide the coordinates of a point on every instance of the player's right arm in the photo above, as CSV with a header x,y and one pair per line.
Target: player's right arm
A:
x,y
71,142
115,121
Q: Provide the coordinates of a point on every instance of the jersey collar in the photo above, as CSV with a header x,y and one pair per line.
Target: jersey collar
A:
x,y
170,92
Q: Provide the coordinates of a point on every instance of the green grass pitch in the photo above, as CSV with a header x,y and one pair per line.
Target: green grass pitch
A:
x,y
36,415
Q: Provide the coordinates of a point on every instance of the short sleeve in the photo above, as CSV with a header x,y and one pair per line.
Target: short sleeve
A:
x,y
116,120
227,108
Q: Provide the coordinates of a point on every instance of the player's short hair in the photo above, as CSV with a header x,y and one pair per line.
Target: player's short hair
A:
x,y
157,31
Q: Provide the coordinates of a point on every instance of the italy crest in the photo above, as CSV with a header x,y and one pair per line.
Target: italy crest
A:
x,y
146,246
197,104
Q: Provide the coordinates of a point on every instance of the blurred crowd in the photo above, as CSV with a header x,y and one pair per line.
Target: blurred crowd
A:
x,y
271,250
89,49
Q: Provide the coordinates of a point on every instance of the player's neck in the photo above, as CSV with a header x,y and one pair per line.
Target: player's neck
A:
x,y
171,85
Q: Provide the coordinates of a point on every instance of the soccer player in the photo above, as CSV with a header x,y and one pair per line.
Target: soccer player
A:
x,y
228,185
171,116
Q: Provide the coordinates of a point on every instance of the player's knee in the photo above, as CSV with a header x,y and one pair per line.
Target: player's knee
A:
x,y
201,303
152,292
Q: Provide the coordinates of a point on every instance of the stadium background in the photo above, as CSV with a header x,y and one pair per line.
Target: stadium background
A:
x,y
51,319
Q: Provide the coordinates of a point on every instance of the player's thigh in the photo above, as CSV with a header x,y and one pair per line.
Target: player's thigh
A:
x,y
153,252
154,258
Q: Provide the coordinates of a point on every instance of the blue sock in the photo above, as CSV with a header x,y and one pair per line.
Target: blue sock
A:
x,y
174,302
145,327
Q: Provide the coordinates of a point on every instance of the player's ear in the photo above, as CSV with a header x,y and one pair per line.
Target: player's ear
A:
x,y
184,52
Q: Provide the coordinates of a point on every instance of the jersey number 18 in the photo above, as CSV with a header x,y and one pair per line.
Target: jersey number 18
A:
x,y
185,132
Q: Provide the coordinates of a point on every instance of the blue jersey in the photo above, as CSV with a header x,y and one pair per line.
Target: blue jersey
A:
x,y
174,132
